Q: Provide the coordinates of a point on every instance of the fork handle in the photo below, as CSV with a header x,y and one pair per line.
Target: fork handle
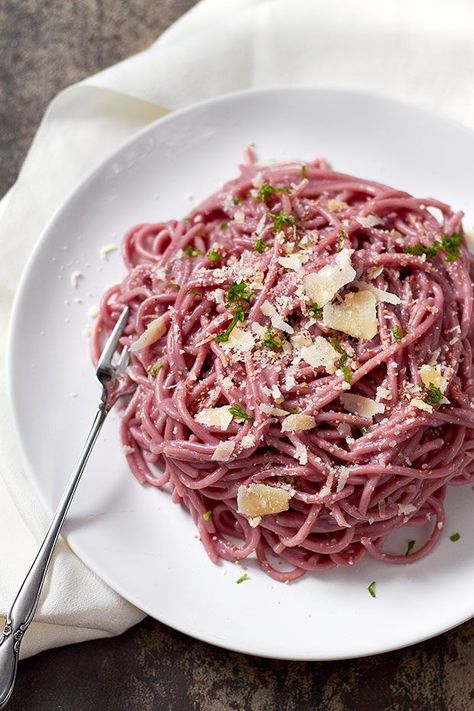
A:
x,y
23,609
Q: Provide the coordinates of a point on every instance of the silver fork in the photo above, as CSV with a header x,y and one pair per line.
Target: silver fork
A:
x,y
24,606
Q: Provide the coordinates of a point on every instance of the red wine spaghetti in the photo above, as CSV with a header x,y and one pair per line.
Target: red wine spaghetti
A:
x,y
301,346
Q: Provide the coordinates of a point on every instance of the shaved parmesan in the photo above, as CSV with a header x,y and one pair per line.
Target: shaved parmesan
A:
x,y
380,294
269,310
301,453
406,509
106,250
214,417
342,478
295,423
321,353
362,406
223,451
421,405
356,316
239,340
262,500
374,272
382,393
275,411
326,488
322,286
154,331
368,221
293,261
239,217
248,441
432,376
336,205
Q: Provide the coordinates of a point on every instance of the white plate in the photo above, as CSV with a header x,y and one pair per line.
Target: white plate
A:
x,y
140,543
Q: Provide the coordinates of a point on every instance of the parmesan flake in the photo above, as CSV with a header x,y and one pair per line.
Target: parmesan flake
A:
x,y
356,316
362,406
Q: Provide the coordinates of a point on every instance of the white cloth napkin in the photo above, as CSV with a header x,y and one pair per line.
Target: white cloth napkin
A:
x,y
419,51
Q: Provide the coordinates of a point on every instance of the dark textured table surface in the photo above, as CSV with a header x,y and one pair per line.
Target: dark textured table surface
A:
x,y
44,46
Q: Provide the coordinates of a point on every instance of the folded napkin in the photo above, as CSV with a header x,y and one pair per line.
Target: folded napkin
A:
x,y
422,52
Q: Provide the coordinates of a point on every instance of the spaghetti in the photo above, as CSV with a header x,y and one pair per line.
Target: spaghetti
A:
x,y
301,346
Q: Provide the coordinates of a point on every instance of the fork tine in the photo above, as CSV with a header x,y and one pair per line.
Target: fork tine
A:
x,y
105,360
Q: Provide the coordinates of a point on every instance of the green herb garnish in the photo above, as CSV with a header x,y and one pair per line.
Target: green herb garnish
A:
x,y
303,172
316,310
206,516
410,546
238,315
238,291
336,345
281,219
450,244
344,367
266,190
191,251
154,369
173,286
195,292
260,246
242,578
434,394
341,238
213,255
455,537
239,412
371,588
224,225
236,200
396,333
418,250
270,341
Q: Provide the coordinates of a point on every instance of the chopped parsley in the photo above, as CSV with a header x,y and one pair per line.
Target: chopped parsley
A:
x,y
455,537
191,251
173,286
238,315
371,588
236,200
239,412
410,546
418,250
341,238
238,291
303,172
224,225
396,333
206,516
450,244
213,255
342,362
281,219
242,578
260,246
270,341
434,394
153,371
316,310
195,292
266,190
344,367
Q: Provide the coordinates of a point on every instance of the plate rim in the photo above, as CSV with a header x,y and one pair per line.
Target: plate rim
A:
x,y
13,329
